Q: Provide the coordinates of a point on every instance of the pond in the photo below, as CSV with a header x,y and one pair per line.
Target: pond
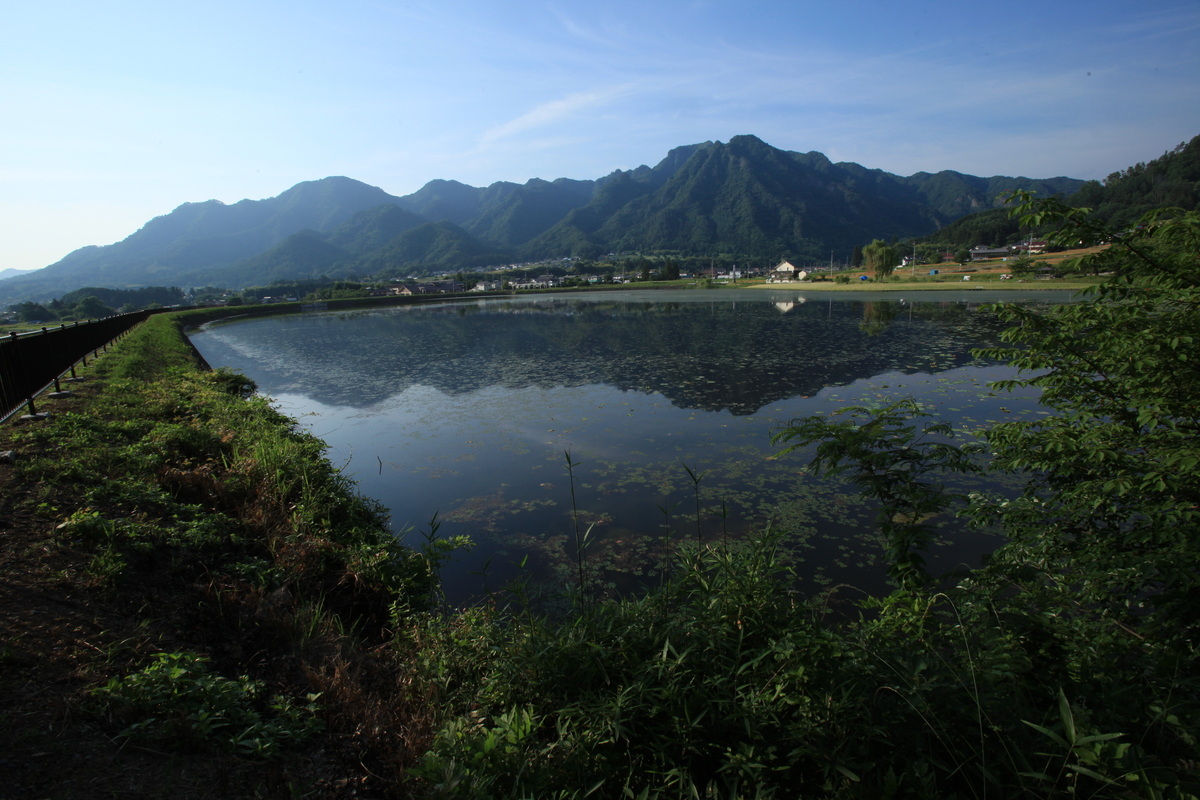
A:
x,y
646,416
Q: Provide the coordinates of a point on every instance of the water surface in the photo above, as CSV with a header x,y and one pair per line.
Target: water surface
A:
x,y
468,410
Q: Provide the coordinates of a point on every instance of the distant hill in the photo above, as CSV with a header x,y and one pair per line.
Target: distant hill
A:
x,y
198,243
370,230
1173,179
742,197
441,243
302,255
749,198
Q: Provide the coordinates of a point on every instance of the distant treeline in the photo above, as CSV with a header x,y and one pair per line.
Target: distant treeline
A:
x,y
1122,197
94,302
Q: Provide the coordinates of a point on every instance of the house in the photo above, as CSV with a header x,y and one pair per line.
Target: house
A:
x,y
540,282
434,287
981,253
786,270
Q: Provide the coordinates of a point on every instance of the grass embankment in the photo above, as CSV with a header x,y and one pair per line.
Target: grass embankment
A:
x,y
165,520
183,572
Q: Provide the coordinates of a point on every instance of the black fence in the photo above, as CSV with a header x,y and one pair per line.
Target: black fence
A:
x,y
34,361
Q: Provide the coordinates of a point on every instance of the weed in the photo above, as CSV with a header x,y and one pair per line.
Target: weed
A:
x,y
177,699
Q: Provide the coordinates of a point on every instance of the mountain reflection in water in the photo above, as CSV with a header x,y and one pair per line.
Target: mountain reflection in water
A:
x,y
714,355
467,408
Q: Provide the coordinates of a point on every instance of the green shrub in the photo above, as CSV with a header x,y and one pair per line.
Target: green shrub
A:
x,y
177,700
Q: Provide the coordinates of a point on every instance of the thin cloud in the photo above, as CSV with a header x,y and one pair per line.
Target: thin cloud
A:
x,y
553,112
587,35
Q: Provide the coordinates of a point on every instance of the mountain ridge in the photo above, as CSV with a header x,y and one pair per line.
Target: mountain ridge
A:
x,y
741,196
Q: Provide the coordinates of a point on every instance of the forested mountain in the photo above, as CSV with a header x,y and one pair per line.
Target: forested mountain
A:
x,y
1170,180
1173,179
749,198
442,243
511,215
301,255
372,229
742,197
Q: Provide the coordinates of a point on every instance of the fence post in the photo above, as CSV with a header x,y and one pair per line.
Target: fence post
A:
x,y
33,361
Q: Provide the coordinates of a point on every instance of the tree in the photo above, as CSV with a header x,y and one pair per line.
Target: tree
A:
x,y
1023,266
881,258
1109,514
1092,604
896,463
91,307
1113,491
33,312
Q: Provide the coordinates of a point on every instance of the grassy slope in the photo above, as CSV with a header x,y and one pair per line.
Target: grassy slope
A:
x,y
162,509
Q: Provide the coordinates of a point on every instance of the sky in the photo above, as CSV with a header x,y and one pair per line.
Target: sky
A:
x,y
114,113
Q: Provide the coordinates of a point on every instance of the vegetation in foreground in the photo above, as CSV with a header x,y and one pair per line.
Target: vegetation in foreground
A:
x,y
282,631
234,587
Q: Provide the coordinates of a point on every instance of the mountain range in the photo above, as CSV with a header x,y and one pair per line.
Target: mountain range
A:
x,y
743,197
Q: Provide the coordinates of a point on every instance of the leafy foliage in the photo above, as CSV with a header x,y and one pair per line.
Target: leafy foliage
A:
x,y
178,699
1064,667
894,463
881,259
1114,471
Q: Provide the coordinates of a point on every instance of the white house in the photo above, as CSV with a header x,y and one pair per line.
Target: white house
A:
x,y
786,270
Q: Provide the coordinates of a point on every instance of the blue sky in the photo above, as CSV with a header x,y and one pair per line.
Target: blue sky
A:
x,y
113,113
